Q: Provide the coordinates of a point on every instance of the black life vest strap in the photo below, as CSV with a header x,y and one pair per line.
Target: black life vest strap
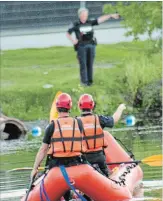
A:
x,y
62,139
85,137
81,128
95,133
104,142
94,137
73,134
66,139
51,144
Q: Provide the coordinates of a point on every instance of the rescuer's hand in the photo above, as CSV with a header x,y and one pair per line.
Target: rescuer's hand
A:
x,y
122,107
75,42
33,173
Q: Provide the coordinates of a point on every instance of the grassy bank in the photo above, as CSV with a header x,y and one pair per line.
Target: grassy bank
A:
x,y
66,57
24,73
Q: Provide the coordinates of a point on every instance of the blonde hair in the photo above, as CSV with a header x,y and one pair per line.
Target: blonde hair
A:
x,y
81,10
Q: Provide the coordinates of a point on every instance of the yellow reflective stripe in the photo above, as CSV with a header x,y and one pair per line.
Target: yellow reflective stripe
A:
x,y
91,126
66,129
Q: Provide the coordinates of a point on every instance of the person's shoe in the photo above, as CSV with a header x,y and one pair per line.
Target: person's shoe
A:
x,y
84,84
89,84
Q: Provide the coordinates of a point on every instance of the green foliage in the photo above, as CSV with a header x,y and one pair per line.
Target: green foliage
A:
x,y
61,57
139,17
142,73
22,87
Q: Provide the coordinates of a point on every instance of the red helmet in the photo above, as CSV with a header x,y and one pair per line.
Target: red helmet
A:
x,y
64,101
86,102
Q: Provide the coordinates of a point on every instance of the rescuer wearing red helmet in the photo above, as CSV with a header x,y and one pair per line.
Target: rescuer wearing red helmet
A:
x,y
61,151
93,126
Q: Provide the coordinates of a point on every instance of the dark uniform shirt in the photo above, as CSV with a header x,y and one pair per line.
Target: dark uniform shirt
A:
x,y
105,121
83,31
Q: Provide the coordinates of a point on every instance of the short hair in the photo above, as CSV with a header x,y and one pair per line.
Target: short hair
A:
x,y
61,109
86,110
81,10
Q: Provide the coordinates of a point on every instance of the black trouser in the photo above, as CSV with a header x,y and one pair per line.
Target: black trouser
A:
x,y
68,162
98,158
86,54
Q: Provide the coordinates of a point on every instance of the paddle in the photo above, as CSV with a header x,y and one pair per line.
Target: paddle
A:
x,y
53,111
24,168
155,160
30,188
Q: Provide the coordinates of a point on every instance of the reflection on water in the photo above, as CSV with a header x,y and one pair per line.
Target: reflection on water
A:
x,y
13,146
152,192
12,181
14,184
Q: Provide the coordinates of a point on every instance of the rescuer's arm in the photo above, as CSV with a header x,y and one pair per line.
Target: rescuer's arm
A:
x,y
39,158
43,149
118,113
106,121
104,18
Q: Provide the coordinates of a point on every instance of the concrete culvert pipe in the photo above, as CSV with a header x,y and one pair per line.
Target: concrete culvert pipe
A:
x,y
11,128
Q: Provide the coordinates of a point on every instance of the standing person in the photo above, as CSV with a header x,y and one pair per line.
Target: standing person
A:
x,y
85,42
93,126
62,141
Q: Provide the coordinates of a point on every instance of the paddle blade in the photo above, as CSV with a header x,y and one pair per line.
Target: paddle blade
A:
x,y
155,160
41,168
53,111
24,168
19,169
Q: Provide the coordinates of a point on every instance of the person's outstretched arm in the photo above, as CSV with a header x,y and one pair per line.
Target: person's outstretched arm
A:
x,y
117,115
104,18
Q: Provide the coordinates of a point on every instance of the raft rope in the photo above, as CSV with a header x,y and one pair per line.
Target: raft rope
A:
x,y
122,177
129,151
117,182
65,175
128,170
43,191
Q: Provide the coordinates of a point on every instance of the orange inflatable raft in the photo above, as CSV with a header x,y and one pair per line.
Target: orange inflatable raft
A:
x,y
129,174
119,186
84,178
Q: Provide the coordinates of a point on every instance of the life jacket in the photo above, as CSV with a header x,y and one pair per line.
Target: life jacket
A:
x,y
66,140
93,133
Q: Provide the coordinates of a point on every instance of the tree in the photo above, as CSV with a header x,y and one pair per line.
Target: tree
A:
x,y
138,17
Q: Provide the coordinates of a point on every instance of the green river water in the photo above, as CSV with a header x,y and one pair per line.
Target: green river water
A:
x,y
21,153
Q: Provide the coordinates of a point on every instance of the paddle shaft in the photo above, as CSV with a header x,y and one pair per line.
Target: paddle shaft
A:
x,y
30,188
125,162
